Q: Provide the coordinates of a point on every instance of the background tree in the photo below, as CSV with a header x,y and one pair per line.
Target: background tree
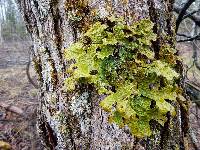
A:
x,y
75,121
12,26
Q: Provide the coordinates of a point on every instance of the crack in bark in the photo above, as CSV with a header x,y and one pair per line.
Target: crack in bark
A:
x,y
54,73
48,135
57,21
154,18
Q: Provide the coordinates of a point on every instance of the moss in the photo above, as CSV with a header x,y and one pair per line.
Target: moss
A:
x,y
79,14
118,60
38,68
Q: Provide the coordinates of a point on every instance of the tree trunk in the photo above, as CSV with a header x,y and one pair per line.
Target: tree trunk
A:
x,y
75,120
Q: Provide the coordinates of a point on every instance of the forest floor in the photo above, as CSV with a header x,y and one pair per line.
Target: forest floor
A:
x,y
18,98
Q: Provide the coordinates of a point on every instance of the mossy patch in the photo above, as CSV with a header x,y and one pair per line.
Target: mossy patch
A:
x,y
118,60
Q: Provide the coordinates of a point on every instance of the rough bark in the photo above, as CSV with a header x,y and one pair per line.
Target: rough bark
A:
x,y
75,120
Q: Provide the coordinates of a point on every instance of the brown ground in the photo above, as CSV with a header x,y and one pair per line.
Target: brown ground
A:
x,y
18,129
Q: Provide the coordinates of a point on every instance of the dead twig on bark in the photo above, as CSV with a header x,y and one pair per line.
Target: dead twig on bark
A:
x,y
28,71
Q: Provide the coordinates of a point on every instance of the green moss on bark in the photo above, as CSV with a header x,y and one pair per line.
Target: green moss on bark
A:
x,y
117,59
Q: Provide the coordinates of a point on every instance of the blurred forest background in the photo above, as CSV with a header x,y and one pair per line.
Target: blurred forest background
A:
x,y
18,97
18,84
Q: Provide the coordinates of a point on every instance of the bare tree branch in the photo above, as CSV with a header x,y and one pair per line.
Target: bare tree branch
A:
x,y
193,17
190,14
182,13
197,37
182,34
192,84
29,76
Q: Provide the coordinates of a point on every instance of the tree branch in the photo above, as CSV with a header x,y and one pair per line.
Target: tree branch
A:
x,y
29,76
181,34
197,37
193,17
192,84
190,14
182,13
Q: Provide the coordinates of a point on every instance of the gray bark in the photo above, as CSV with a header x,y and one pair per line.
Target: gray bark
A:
x,y
75,120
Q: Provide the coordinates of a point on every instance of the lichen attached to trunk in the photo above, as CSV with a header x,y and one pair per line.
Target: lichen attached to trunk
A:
x,y
118,61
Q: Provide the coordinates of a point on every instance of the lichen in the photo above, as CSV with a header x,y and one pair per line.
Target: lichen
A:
x,y
118,60
81,108
47,72
59,124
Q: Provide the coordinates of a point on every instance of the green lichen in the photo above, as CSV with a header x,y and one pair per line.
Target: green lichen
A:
x,y
117,59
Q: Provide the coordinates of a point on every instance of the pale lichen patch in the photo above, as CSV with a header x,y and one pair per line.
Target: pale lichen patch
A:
x,y
81,108
59,124
46,72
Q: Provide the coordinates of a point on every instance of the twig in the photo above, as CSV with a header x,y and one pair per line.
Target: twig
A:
x,y
195,115
197,37
181,34
28,69
196,87
197,112
190,14
193,17
182,13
